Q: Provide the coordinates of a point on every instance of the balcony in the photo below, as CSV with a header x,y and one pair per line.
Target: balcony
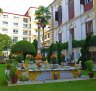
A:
x,y
88,6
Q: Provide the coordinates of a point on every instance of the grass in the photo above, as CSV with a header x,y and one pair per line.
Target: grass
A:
x,y
85,72
88,85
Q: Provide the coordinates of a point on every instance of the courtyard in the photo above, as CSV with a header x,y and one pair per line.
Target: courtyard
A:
x,y
49,48
86,85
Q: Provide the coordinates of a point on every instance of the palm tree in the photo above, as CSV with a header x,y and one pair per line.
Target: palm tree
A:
x,y
1,11
43,16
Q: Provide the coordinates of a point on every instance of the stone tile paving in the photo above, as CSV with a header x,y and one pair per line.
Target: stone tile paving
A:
x,y
49,81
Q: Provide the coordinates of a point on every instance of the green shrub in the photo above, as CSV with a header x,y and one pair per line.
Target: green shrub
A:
x,y
19,58
12,72
23,47
89,65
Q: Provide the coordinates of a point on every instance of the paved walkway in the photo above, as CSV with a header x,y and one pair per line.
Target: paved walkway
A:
x,y
49,81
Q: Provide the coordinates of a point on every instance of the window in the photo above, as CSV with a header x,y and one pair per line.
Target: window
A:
x,y
24,38
72,32
70,1
30,19
15,31
4,30
71,9
48,35
82,2
56,15
16,17
5,23
15,24
15,39
25,20
5,16
45,36
87,1
42,38
60,37
25,32
25,25
60,15
30,39
89,27
29,32
30,25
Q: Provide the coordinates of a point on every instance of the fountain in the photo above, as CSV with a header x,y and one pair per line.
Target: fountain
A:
x,y
47,72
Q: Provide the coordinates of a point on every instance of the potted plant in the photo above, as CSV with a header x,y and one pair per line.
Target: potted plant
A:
x,y
89,66
23,78
38,60
53,58
12,75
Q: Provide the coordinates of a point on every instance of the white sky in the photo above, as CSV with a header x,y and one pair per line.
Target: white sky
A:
x,y
21,6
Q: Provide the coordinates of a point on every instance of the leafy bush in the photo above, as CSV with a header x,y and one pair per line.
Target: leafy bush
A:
x,y
19,58
23,78
43,58
12,72
89,65
23,47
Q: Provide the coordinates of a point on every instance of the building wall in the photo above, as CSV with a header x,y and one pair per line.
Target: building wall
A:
x,y
24,32
78,22
31,13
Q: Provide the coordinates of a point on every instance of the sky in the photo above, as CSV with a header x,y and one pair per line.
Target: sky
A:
x,y
21,6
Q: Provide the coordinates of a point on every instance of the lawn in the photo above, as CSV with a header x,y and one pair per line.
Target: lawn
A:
x,y
88,85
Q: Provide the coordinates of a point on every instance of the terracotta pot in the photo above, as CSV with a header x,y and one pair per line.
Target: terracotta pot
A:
x,y
55,76
91,74
14,79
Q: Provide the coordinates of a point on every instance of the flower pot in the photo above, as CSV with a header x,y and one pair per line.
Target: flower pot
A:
x,y
14,79
91,74
55,76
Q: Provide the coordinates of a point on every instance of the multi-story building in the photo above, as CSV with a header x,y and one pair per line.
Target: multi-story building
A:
x,y
19,27
73,19
47,37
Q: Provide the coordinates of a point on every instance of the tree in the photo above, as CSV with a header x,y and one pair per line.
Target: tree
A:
x,y
59,50
85,55
1,11
5,41
43,15
50,52
23,47
35,44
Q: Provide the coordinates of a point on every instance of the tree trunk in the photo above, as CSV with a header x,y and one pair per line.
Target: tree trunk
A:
x,y
43,42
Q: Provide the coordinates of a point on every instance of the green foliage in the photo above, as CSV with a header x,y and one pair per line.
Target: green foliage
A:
x,y
43,16
76,43
43,58
59,49
56,86
89,65
19,58
35,45
85,51
12,71
5,42
92,41
24,47
1,11
52,48
64,45
23,78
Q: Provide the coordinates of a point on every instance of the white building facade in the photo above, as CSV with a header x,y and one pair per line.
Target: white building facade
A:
x,y
75,17
18,27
